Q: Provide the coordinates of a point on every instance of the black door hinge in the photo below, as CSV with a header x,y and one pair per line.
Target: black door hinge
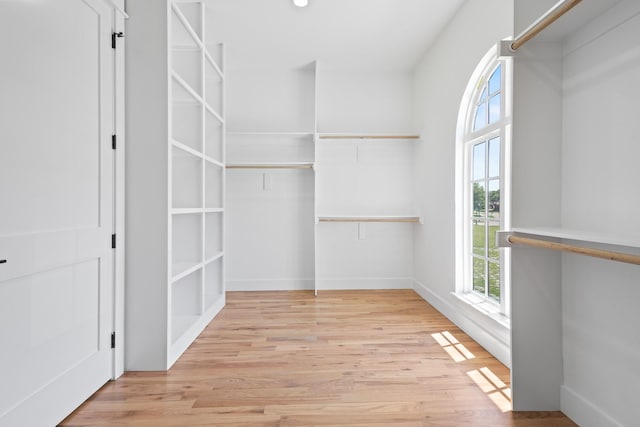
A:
x,y
113,38
113,241
113,142
113,340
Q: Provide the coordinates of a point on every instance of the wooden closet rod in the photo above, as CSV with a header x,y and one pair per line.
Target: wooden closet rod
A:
x,y
543,22
598,253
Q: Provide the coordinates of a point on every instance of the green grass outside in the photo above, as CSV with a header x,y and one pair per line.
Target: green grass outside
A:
x,y
479,280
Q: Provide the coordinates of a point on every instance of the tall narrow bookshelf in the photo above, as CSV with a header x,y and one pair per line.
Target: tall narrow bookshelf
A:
x,y
189,188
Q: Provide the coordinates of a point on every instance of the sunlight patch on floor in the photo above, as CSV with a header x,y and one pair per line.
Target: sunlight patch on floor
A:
x,y
456,350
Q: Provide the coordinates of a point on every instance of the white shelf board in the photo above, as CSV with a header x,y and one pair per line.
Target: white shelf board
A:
x,y
181,324
187,25
369,218
581,236
182,269
368,135
213,64
283,165
213,161
186,211
197,98
214,113
214,258
269,133
186,148
185,329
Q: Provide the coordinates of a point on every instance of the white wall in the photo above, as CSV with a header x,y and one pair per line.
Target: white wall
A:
x,y
439,82
600,176
364,100
270,212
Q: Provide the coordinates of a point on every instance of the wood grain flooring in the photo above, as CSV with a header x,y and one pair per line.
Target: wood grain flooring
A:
x,y
343,358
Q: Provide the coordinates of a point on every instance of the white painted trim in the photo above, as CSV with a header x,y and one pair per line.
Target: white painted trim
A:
x,y
269,285
364,283
486,331
582,411
119,200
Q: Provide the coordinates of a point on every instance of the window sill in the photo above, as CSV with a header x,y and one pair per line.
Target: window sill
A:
x,y
486,308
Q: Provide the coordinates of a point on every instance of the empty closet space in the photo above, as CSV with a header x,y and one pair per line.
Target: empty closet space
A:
x,y
365,209
270,180
319,184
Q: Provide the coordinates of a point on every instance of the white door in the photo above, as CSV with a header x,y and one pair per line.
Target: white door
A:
x,y
56,207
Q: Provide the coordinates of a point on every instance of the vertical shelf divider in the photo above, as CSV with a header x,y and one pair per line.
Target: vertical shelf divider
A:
x,y
203,142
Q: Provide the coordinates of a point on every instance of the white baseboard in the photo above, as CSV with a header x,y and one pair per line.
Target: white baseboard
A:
x,y
270,285
583,412
487,332
364,283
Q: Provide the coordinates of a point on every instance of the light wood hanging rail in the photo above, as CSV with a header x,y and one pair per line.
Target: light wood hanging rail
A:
x,y
598,253
271,166
543,22
369,136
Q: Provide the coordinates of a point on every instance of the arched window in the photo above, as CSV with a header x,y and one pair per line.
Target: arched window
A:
x,y
483,168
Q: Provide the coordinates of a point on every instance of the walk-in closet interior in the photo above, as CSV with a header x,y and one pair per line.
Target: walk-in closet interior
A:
x,y
254,173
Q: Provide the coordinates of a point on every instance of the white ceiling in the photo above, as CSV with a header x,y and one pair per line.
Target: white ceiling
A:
x,y
350,34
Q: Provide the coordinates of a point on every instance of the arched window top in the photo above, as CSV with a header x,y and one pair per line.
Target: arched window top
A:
x,y
488,104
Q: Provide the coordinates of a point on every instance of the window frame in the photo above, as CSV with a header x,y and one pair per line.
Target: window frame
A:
x,y
467,138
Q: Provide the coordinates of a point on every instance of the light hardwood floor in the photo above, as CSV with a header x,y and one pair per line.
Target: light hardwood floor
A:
x,y
343,358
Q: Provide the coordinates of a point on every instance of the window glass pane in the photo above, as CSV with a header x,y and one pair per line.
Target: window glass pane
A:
x,y
493,197
494,250
483,96
478,161
479,198
494,280
478,275
494,157
495,81
479,236
480,120
494,108
493,214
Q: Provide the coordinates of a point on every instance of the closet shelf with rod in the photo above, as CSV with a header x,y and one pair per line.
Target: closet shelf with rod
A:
x,y
598,245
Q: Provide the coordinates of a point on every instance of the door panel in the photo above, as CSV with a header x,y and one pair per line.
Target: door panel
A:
x,y
56,207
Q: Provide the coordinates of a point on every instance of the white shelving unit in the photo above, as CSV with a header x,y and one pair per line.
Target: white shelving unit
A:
x,y
584,148
192,292
339,203
364,199
270,179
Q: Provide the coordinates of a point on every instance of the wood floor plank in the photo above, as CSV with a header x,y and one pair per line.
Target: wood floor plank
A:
x,y
343,358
